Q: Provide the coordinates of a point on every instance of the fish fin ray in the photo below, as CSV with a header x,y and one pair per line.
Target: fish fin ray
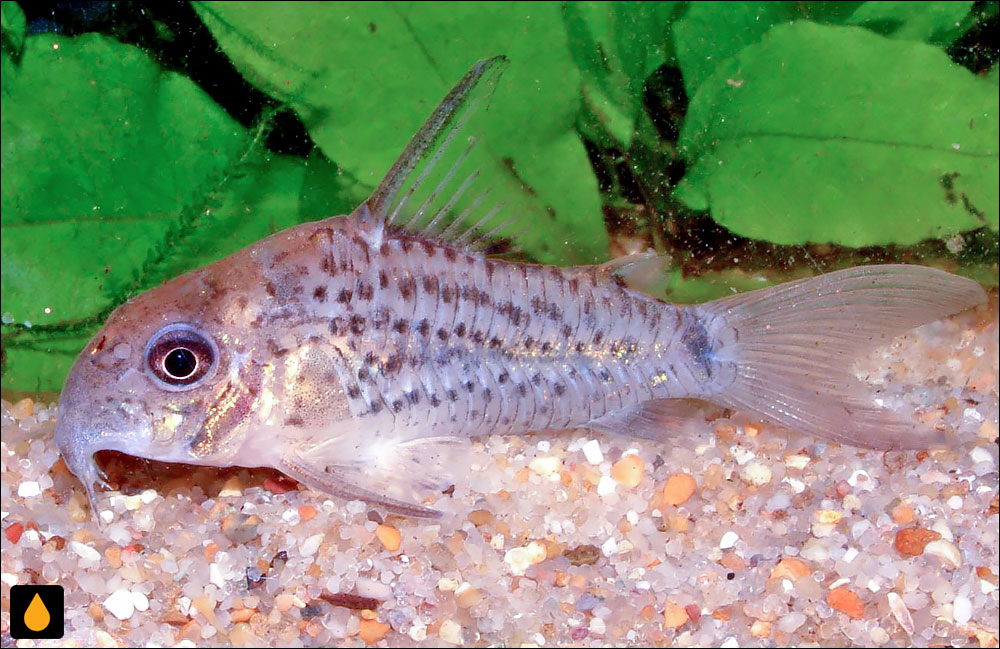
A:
x,y
658,419
396,475
795,345
645,272
434,189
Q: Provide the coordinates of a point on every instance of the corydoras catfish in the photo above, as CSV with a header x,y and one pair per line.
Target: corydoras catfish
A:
x,y
351,353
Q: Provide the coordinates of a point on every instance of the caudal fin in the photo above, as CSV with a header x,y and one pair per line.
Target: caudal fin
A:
x,y
796,344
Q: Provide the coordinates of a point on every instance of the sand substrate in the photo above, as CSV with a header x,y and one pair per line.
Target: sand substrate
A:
x,y
733,534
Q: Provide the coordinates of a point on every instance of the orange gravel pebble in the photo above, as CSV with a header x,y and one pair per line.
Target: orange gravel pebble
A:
x,y
902,515
910,541
847,602
211,550
679,489
389,536
760,629
307,512
14,531
791,568
674,616
372,631
628,471
242,615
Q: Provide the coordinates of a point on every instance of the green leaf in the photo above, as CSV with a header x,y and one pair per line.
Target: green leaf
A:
x,y
711,32
617,45
101,150
938,23
13,25
364,76
127,175
835,134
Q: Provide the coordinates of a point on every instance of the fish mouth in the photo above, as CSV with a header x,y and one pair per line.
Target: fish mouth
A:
x,y
74,440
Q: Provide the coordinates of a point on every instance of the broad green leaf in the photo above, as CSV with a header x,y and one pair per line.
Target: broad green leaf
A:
x,y
101,150
13,23
617,45
364,76
711,32
939,23
118,175
835,134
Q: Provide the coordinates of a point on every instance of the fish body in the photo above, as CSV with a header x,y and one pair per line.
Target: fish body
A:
x,y
354,352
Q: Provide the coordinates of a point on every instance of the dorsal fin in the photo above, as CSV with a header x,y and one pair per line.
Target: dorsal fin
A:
x,y
440,186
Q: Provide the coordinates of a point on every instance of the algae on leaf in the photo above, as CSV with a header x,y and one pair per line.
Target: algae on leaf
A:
x,y
363,76
836,134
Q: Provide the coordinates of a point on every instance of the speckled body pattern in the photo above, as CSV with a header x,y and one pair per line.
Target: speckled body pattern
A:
x,y
422,335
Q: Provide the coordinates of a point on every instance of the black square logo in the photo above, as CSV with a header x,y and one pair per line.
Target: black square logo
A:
x,y
37,612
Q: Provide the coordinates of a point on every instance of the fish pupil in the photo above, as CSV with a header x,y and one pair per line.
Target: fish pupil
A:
x,y
180,363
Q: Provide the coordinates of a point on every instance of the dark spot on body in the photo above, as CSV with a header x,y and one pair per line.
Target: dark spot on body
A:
x,y
529,342
393,363
364,375
413,397
435,402
365,291
383,279
450,254
344,296
319,294
447,294
423,327
502,378
376,407
546,347
429,248
430,284
397,405
354,392
522,389
460,330
536,379
478,337
559,389
400,326
357,325
407,287
294,420
487,395
452,395
598,337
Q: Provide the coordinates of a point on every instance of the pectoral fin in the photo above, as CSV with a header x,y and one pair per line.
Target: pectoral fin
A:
x,y
398,476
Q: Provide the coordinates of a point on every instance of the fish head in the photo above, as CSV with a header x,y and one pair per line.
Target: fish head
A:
x,y
169,376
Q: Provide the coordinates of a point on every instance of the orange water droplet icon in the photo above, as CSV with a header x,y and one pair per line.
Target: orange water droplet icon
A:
x,y
37,616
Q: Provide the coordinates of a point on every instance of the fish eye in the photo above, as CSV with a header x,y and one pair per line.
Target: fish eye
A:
x,y
180,356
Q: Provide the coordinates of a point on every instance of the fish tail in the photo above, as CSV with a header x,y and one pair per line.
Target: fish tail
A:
x,y
785,353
